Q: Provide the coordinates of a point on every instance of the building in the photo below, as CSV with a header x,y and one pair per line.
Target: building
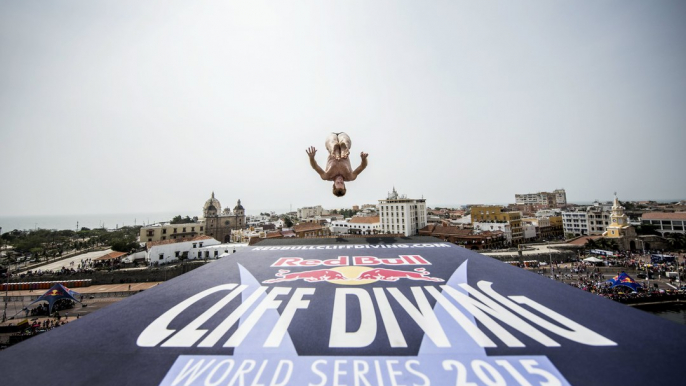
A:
x,y
497,214
590,221
402,215
311,229
551,200
575,223
468,238
357,225
365,225
310,211
503,227
666,222
619,223
529,231
219,223
169,251
166,231
215,223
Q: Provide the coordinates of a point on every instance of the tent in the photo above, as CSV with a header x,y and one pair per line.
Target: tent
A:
x,y
625,280
57,292
593,260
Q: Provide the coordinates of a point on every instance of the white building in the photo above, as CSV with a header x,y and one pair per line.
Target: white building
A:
x,y
168,251
575,223
357,225
666,222
529,230
339,227
495,226
399,214
592,221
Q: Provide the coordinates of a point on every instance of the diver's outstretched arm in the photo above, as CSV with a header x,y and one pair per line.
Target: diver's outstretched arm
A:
x,y
311,152
362,166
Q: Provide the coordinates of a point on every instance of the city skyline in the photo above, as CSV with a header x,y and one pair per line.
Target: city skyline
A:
x,y
143,108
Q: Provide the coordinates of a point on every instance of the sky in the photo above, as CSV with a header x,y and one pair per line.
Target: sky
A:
x,y
129,106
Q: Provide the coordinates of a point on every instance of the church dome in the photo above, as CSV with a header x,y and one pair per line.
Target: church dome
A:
x,y
238,206
212,204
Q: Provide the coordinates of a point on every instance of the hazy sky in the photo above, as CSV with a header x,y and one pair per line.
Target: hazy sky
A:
x,y
130,106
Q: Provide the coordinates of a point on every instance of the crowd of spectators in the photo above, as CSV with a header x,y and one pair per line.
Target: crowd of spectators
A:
x,y
589,277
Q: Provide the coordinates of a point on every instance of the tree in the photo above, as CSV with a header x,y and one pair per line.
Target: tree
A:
x,y
591,244
181,220
124,244
288,222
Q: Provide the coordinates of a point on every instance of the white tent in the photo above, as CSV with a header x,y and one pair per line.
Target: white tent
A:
x,y
593,260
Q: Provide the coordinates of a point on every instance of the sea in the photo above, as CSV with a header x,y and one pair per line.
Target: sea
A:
x,y
108,221
675,312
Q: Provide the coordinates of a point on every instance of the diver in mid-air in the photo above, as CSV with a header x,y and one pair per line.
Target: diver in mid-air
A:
x,y
338,167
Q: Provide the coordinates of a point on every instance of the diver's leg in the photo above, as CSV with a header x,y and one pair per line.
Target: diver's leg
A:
x,y
345,144
332,146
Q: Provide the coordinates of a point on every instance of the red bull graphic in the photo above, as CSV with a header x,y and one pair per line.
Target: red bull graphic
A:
x,y
353,270
394,274
355,260
54,293
308,276
362,275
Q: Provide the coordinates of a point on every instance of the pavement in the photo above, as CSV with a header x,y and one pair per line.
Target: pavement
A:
x,y
91,304
531,249
66,263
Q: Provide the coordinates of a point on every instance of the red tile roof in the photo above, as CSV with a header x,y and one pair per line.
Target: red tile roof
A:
x,y
664,216
308,226
583,239
365,220
111,255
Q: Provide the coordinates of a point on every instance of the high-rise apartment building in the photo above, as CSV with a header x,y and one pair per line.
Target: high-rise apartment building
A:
x,y
591,221
399,214
557,198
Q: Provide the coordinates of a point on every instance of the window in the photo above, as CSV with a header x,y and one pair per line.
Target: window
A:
x,y
192,229
174,230
195,245
200,245
216,253
176,253
184,229
201,229
161,256
164,231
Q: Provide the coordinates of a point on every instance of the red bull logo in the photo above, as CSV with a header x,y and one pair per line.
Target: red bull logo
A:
x,y
347,260
308,276
352,271
394,274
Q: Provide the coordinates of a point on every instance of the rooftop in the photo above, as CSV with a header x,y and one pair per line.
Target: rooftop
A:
x,y
664,216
